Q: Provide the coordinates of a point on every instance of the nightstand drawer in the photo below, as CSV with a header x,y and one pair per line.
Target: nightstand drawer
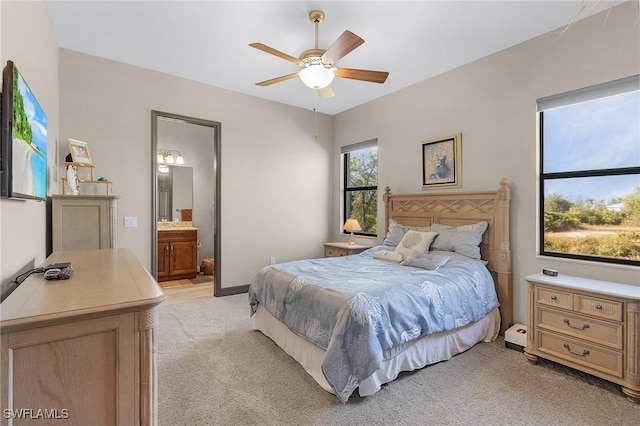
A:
x,y
335,252
596,306
603,360
596,331
338,249
555,298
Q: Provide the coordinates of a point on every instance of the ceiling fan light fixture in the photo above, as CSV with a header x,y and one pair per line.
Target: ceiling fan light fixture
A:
x,y
316,76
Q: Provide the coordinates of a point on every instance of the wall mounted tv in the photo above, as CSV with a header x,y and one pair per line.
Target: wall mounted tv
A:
x,y
23,148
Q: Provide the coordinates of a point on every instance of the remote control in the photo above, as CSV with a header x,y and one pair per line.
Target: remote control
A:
x,y
550,272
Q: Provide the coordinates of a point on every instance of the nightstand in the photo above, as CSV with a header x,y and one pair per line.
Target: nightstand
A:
x,y
342,249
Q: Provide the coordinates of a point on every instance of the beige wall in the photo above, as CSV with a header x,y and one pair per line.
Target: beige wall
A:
x,y
492,102
34,50
276,186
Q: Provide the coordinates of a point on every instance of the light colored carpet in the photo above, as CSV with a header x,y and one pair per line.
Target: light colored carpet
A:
x,y
214,370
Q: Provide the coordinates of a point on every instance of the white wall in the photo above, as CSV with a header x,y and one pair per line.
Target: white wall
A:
x,y
492,102
276,179
27,39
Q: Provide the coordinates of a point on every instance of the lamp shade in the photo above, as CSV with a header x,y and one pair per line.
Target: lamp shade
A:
x,y
316,76
352,225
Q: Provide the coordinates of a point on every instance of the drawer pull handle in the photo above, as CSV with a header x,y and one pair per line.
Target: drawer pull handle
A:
x,y
566,321
584,352
599,307
554,297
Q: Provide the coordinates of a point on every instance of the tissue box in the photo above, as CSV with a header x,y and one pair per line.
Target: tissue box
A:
x,y
516,337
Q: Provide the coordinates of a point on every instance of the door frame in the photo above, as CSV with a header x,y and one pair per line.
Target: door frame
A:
x,y
217,128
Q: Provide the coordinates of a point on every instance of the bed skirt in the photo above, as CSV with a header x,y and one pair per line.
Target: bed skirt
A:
x,y
411,356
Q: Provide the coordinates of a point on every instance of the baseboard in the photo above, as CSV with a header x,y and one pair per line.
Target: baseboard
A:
x,y
228,291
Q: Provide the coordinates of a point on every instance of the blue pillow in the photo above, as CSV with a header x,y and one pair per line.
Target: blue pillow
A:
x,y
397,231
462,239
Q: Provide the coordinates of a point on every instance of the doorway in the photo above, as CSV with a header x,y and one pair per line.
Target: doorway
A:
x,y
185,176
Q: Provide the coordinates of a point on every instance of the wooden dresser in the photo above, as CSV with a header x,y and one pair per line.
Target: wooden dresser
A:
x,y
342,249
84,349
589,325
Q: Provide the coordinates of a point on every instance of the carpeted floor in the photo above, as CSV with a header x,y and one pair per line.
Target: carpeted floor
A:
x,y
214,370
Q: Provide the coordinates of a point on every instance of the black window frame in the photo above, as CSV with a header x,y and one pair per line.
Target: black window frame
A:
x,y
594,92
346,153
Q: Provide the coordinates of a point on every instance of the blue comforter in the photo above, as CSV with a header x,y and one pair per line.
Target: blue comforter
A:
x,y
357,307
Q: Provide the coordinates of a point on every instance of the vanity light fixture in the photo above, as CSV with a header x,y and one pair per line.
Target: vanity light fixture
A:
x,y
351,225
165,157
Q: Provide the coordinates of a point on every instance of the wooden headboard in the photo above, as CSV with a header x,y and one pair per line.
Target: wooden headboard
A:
x,y
464,208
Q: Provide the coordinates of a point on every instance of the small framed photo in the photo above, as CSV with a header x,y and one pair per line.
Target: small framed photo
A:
x,y
80,152
442,162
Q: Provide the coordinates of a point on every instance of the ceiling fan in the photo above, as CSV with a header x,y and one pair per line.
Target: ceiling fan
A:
x,y
318,68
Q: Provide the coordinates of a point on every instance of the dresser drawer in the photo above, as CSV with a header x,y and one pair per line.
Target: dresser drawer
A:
x,y
560,299
584,354
602,308
601,332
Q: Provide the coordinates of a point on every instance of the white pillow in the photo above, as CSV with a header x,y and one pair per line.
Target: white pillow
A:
x,y
415,240
389,255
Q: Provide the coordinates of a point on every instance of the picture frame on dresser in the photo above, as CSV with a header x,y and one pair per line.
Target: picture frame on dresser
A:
x,y
80,152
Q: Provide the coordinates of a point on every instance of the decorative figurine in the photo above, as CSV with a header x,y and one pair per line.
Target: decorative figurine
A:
x,y
72,180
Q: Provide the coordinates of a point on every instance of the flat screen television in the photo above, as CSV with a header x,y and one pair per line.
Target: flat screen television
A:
x,y
23,148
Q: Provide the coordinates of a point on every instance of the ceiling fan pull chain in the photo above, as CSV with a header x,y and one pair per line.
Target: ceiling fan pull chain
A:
x,y
315,109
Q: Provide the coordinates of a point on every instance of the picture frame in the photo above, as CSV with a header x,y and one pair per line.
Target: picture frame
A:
x,y
442,162
80,152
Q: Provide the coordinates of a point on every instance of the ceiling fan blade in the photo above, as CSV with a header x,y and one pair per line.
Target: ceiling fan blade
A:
x,y
275,52
343,45
277,79
326,92
364,75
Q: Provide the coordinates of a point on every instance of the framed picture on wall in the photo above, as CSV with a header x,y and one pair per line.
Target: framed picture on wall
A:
x,y
442,162
80,152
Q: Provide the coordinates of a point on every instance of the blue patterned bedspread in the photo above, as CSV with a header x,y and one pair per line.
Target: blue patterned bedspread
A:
x,y
357,307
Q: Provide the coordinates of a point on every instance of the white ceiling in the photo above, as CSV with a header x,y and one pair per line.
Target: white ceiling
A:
x,y
207,41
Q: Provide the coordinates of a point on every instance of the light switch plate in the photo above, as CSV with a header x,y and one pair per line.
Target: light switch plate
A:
x,y
131,222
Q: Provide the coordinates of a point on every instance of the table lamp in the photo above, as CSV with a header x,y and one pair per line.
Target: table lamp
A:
x,y
351,225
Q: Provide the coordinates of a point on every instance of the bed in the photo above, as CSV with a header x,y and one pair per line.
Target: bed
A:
x,y
356,322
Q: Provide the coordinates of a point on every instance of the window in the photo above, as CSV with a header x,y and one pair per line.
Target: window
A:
x,y
360,174
589,188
